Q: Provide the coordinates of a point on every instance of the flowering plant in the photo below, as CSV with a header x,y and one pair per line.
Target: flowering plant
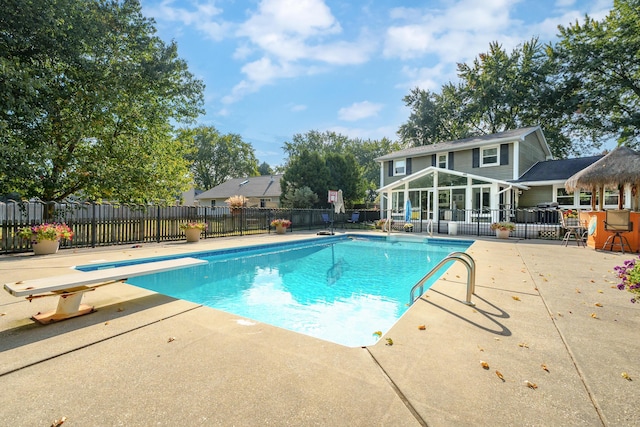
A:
x,y
193,224
570,213
629,272
46,231
408,226
281,222
503,226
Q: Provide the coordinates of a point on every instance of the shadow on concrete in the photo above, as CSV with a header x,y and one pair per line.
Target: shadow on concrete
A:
x,y
491,316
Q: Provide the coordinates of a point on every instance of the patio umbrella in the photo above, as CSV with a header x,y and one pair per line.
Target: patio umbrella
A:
x,y
407,211
621,166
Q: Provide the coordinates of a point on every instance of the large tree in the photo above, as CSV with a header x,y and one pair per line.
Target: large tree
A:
x,y
499,91
218,158
90,96
308,169
364,153
599,69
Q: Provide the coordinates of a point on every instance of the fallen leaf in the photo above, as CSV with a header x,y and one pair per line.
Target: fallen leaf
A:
x,y
171,339
480,348
516,298
120,309
57,423
544,367
378,333
600,291
484,364
523,344
500,375
422,327
595,316
389,341
559,314
530,384
106,323
496,338
598,304
626,376
577,290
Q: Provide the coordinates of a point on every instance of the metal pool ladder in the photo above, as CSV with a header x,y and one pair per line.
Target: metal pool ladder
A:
x,y
464,258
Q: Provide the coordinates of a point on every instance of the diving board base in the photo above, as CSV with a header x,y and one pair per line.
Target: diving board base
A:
x,y
68,307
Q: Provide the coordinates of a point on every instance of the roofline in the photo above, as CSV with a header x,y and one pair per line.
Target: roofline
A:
x,y
430,169
534,129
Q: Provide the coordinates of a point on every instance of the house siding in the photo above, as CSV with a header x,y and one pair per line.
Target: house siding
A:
x,y
535,196
531,152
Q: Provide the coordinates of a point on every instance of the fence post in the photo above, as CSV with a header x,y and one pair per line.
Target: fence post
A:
x,y
158,224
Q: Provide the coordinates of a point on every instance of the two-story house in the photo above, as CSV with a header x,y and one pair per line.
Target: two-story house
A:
x,y
467,179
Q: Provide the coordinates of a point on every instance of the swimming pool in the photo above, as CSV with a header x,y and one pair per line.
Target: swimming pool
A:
x,y
340,288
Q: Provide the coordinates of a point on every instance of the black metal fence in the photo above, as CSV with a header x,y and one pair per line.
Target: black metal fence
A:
x,y
530,223
106,224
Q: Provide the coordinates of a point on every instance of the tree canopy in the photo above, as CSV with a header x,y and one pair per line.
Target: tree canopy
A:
x,y
599,67
217,158
582,91
359,161
90,97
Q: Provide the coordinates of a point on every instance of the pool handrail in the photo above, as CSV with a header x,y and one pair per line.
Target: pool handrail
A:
x,y
464,258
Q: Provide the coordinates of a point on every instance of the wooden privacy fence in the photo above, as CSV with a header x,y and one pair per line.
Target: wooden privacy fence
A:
x,y
106,224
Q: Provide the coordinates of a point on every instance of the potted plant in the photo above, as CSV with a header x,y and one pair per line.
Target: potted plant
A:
x,y
408,227
629,272
193,229
236,202
45,238
281,225
503,229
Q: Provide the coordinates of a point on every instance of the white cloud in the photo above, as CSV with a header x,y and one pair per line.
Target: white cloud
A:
x,y
205,17
359,110
298,107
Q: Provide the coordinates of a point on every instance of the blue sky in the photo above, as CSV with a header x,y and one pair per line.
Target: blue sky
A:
x,y
274,68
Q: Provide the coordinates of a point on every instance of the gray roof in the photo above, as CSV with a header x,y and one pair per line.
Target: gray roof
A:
x,y
557,170
620,166
255,186
467,143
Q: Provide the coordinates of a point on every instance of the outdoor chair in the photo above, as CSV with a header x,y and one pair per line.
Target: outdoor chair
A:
x,y
573,228
355,218
617,222
327,220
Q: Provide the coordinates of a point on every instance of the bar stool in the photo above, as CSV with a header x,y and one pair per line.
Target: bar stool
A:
x,y
618,221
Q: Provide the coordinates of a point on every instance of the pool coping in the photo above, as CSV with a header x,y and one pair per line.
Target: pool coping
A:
x,y
535,301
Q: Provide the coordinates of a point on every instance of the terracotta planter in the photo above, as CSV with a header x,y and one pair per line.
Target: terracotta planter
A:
x,y
193,234
280,229
46,247
502,234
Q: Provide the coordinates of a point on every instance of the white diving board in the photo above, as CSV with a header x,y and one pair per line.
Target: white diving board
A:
x,y
70,287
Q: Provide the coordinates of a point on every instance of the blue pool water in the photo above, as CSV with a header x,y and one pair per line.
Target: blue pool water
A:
x,y
340,289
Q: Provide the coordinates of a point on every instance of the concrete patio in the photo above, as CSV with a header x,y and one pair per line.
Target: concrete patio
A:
x,y
146,359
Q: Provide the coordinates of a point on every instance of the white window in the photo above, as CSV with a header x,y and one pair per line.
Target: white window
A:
x,y
399,167
563,198
489,156
442,161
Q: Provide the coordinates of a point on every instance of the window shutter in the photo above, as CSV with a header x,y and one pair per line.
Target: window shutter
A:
x,y
390,170
450,160
433,160
408,166
504,154
476,158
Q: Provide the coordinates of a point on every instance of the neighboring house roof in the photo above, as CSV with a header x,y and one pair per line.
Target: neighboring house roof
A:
x,y
555,170
468,143
255,186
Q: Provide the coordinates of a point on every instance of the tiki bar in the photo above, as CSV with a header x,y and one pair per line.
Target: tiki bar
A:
x,y
611,229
